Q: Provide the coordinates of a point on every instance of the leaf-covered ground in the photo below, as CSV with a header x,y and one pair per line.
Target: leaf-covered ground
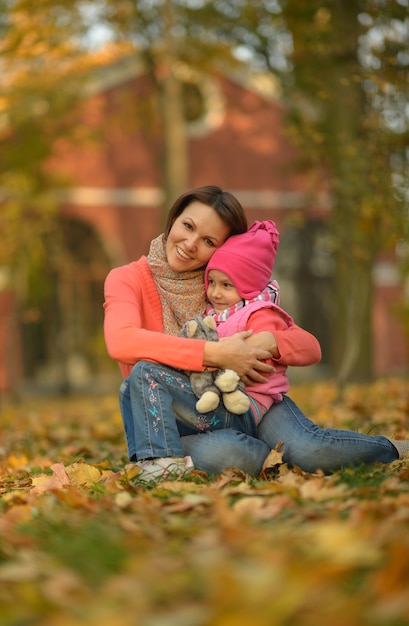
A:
x,y
84,543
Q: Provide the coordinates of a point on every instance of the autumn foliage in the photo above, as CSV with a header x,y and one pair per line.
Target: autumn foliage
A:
x,y
84,542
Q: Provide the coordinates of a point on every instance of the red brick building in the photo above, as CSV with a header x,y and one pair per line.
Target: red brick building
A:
x,y
112,209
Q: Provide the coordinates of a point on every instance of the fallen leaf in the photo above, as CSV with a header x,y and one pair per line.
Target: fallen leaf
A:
x,y
274,459
123,499
83,474
44,482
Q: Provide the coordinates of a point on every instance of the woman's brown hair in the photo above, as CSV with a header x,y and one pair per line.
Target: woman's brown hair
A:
x,y
227,207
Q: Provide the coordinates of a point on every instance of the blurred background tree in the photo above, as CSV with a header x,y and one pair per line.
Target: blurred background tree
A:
x,y
347,92
344,72
170,36
44,65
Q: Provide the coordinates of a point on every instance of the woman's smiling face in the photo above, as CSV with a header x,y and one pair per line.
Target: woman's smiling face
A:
x,y
194,236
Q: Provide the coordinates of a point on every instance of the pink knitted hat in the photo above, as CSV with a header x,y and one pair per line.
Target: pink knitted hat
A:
x,y
247,259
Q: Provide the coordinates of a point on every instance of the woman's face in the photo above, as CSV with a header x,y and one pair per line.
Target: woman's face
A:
x,y
194,236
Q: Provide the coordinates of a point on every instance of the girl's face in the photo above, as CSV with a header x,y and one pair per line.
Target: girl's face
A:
x,y
221,292
194,236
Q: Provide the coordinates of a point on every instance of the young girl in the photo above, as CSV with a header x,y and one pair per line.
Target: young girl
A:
x,y
242,297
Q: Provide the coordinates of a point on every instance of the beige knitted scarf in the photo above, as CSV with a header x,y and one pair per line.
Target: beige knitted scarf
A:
x,y
182,293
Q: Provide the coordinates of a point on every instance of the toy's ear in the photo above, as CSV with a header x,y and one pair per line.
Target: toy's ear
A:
x,y
210,322
191,327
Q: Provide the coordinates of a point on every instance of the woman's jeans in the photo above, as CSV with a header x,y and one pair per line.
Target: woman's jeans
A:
x,y
160,419
159,412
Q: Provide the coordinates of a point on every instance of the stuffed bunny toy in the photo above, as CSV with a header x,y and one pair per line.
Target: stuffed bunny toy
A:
x,y
209,386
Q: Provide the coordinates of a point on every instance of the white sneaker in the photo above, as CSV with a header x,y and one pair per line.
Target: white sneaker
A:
x,y
402,446
164,467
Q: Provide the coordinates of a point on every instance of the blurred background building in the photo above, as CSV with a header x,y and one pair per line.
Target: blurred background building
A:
x,y
113,204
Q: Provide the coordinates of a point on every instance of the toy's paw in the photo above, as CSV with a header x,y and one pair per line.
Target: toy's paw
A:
x,y
236,402
226,380
208,402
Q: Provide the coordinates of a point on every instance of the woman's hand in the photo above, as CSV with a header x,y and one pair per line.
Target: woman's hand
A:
x,y
238,354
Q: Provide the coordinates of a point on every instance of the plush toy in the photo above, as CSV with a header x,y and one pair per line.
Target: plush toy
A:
x,y
209,386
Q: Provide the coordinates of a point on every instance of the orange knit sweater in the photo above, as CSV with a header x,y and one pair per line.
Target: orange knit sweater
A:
x,y
134,330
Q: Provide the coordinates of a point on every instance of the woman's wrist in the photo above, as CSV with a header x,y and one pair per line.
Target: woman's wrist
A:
x,y
211,353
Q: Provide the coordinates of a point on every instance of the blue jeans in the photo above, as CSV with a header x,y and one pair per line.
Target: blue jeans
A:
x,y
311,447
219,439
158,407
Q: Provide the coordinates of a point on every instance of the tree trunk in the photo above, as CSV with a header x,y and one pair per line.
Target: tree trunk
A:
x,y
328,75
354,251
175,158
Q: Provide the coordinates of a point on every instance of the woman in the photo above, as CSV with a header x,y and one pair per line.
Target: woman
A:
x,y
147,302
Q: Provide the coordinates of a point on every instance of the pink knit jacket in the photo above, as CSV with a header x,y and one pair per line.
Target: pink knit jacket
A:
x,y
266,316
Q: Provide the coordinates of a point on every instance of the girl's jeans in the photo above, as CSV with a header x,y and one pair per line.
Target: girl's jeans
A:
x,y
160,419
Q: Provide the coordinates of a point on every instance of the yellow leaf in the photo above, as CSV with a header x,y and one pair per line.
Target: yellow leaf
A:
x,y
342,543
130,471
83,474
16,460
14,497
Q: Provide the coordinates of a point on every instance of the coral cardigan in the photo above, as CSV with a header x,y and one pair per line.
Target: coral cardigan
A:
x,y
133,327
